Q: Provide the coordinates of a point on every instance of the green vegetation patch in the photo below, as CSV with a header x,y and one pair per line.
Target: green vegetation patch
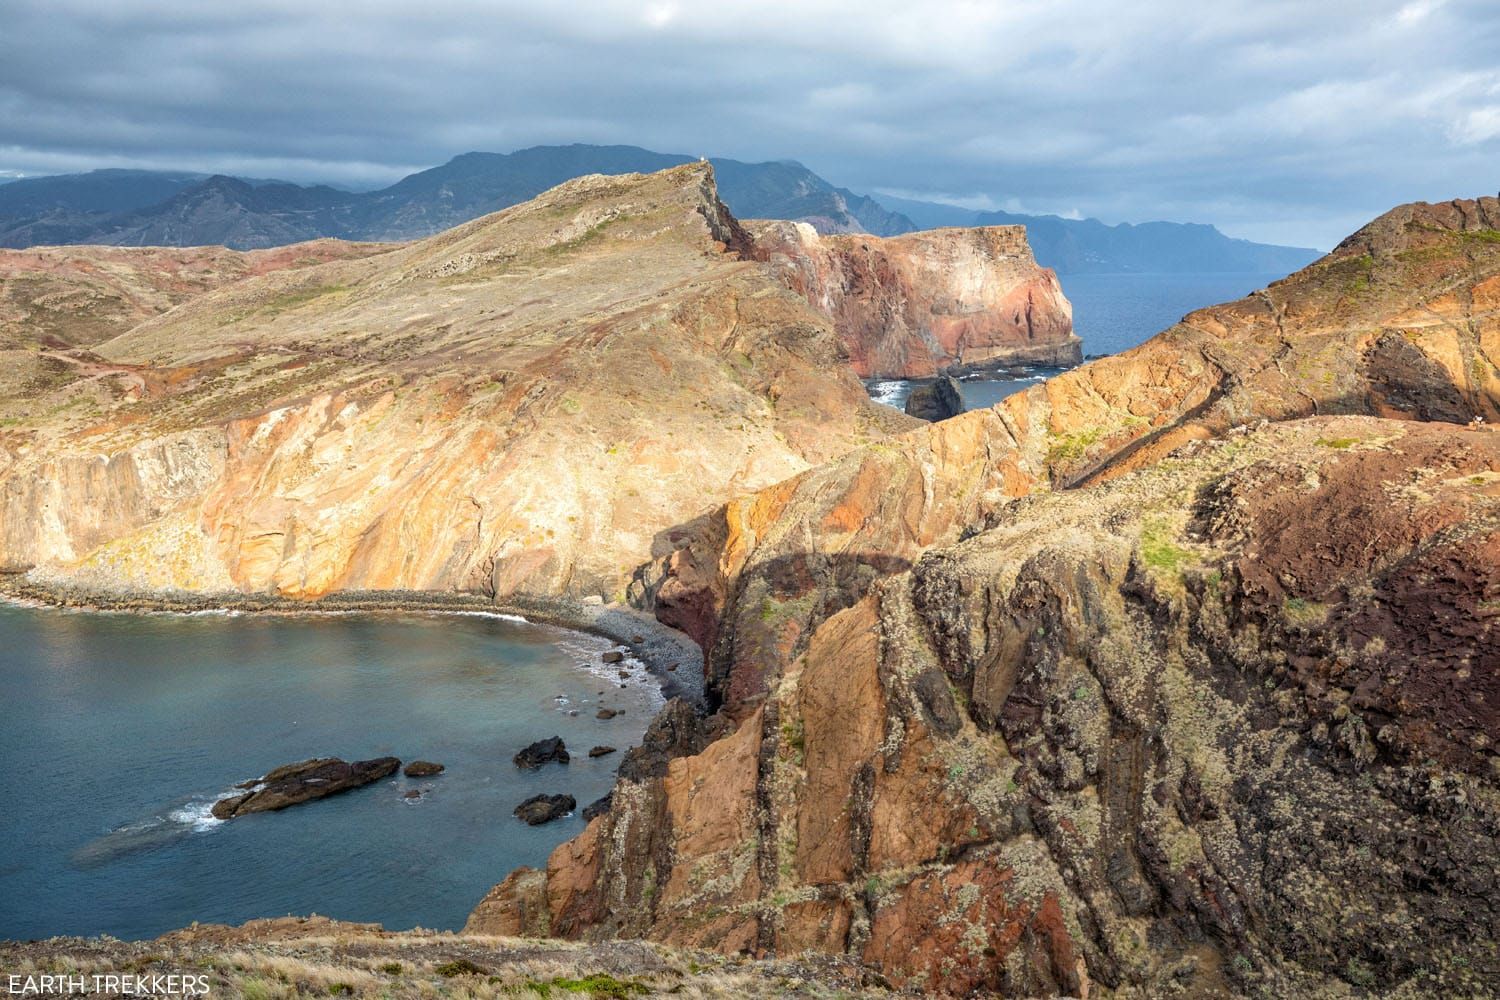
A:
x,y
1300,611
600,986
460,967
1336,442
1160,551
301,297
1071,447
1490,236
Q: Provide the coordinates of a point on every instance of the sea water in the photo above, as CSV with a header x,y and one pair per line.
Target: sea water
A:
x,y
1111,313
118,732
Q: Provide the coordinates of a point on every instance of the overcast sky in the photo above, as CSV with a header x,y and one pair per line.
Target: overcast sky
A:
x,y
1288,121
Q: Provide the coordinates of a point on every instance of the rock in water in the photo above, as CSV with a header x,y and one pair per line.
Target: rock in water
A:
x,y
541,752
938,401
606,713
541,809
598,807
422,769
613,656
601,751
303,782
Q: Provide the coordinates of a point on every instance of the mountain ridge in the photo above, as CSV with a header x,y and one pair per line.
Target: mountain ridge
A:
x,y
176,209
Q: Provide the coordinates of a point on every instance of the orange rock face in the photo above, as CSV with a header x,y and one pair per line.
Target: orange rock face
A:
x,y
928,302
1143,679
518,405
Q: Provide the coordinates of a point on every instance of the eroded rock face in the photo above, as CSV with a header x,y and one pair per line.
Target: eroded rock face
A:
x,y
928,302
520,404
1402,321
1149,678
1152,734
294,784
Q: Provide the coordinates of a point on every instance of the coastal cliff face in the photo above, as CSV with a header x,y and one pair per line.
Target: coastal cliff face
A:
x,y
1177,674
520,404
928,302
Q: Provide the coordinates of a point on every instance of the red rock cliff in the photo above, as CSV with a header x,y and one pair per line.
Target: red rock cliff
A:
x,y
914,305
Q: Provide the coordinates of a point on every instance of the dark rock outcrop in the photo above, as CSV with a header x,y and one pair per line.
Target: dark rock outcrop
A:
x,y
541,752
936,401
294,784
541,809
422,769
601,751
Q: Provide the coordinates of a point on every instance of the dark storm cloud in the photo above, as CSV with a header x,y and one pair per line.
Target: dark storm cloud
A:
x,y
1278,120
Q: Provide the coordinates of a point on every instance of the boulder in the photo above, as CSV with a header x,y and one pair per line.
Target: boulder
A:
x,y
294,784
601,751
422,769
606,713
612,656
542,751
938,401
541,809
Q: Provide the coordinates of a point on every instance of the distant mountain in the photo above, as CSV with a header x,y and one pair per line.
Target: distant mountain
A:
x,y
141,208
100,191
1078,246
147,208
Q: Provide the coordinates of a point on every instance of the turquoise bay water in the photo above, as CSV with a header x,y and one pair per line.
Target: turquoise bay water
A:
x,y
1111,312
118,731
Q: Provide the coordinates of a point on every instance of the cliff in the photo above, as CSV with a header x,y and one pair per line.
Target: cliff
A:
x,y
521,403
1176,673
923,303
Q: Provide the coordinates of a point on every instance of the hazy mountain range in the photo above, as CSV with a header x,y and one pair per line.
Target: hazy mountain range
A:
x,y
167,208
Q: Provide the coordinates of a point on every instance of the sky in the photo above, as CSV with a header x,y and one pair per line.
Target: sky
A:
x,y
1288,121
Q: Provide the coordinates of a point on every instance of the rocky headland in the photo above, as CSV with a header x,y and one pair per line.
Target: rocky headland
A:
x,y
945,300
1174,675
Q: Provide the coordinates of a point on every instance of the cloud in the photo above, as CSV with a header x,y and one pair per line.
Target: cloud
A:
x,y
1276,120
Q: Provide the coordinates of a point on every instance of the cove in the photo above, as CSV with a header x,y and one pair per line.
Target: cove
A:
x,y
120,731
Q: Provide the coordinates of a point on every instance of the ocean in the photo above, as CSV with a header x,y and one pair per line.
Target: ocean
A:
x,y
1111,312
120,731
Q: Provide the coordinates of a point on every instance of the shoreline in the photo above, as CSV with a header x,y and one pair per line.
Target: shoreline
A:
x,y
658,647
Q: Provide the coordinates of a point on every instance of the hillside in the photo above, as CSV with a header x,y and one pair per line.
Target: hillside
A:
x,y
520,404
1161,678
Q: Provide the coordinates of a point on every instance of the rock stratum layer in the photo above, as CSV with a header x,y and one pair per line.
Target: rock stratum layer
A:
x,y
1176,675
915,305
519,404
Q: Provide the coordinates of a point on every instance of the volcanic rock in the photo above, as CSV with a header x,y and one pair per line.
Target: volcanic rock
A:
x,y
293,784
615,337
541,752
927,302
937,401
1189,646
541,809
